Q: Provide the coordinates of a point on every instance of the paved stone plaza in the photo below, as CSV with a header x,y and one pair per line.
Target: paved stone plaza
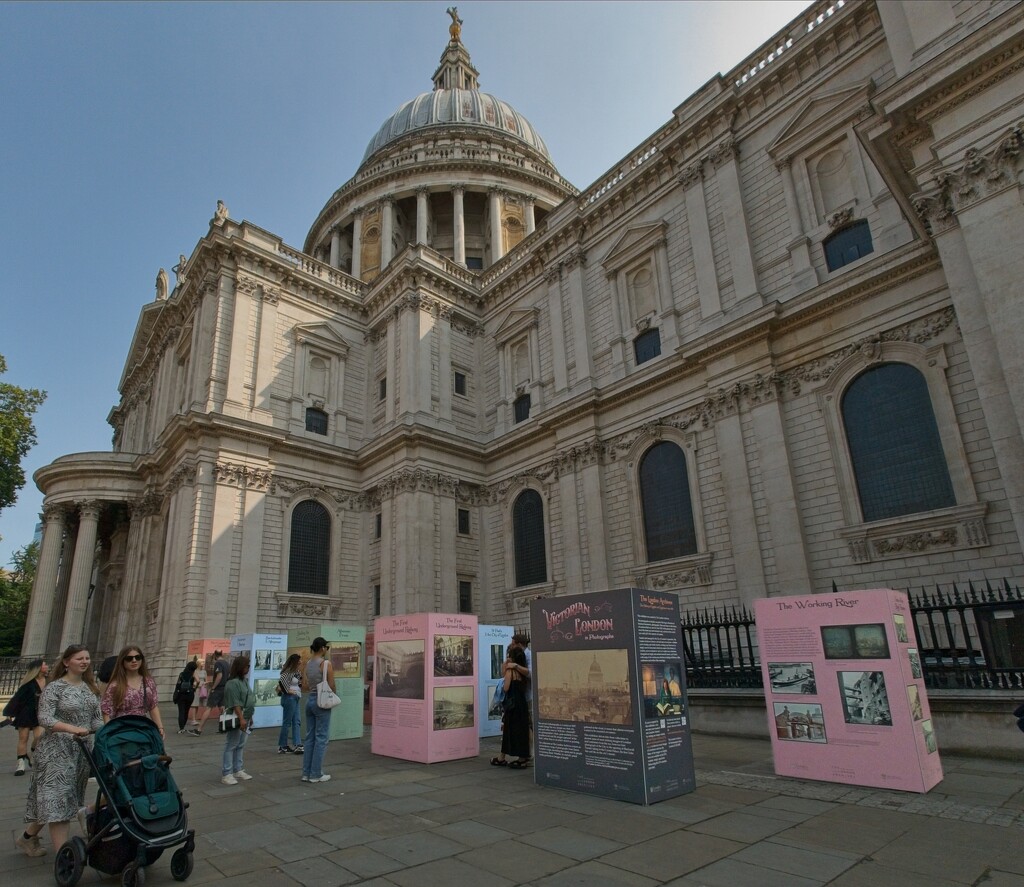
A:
x,y
385,822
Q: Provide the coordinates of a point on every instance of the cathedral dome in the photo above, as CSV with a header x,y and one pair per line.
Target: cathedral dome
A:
x,y
457,108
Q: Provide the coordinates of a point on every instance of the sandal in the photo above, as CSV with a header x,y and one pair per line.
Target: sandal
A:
x,y
498,762
518,765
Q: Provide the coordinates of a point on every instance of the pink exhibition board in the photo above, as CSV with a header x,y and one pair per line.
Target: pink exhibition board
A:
x,y
844,690
424,687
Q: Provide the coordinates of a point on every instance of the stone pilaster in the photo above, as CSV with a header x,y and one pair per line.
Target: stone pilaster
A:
x,y
81,574
44,589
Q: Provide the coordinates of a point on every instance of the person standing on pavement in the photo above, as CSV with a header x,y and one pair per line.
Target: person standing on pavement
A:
x,y
239,698
289,685
215,699
69,707
21,711
185,693
131,691
318,720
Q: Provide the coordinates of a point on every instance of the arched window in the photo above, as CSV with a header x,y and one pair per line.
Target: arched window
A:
x,y
309,556
665,497
894,443
528,539
316,420
647,345
848,244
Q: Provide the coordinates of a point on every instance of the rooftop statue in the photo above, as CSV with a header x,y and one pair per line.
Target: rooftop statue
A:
x,y
161,285
179,269
222,212
455,28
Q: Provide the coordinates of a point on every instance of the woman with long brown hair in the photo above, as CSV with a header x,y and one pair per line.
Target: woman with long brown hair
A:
x,y
68,708
131,690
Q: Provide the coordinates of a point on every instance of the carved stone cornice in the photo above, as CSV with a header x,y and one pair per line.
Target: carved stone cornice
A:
x,y
182,475
54,512
89,509
952,529
839,219
726,150
307,607
271,294
233,475
693,174
685,572
553,274
146,505
575,257
245,284
290,487
417,480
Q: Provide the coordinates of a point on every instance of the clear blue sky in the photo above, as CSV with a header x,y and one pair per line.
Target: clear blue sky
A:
x,y
124,123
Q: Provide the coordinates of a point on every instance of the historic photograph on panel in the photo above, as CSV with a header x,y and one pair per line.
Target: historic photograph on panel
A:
x,y
864,698
929,736
914,698
453,707
915,663
495,695
262,660
400,669
497,661
663,691
277,659
799,722
584,685
792,677
265,691
901,629
345,656
453,656
855,641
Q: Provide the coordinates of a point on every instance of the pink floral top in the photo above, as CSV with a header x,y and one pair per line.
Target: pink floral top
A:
x,y
134,702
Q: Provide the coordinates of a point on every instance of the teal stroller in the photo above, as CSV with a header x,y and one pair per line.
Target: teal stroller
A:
x,y
139,811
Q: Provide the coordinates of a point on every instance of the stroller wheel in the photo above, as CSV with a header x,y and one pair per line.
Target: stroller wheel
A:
x,y
69,863
133,875
181,864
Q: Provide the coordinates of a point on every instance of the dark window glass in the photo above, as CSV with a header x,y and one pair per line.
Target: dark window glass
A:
x,y
894,443
464,521
521,407
309,555
376,600
465,597
460,383
848,244
377,525
316,421
647,345
474,263
665,495
382,389
528,539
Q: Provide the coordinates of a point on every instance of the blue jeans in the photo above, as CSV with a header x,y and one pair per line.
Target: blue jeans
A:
x,y
318,729
234,751
289,721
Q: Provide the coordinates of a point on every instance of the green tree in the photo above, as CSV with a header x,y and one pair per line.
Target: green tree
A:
x,y
17,434
15,590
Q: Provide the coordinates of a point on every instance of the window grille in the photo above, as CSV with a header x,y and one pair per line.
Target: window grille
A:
x,y
894,443
669,530
521,407
528,539
848,244
309,556
316,421
647,346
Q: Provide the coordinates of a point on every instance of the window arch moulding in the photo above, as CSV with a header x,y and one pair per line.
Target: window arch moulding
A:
x,y
519,597
321,352
674,574
519,335
955,528
309,605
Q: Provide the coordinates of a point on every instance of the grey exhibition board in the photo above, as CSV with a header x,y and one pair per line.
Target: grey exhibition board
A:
x,y
609,690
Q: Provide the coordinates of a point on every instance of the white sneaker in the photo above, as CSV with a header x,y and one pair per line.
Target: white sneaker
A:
x,y
83,820
325,778
20,769
229,780
305,779
241,774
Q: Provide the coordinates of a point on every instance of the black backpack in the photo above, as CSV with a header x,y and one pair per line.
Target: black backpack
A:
x,y
183,688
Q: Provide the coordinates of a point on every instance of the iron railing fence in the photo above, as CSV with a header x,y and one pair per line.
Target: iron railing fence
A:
x,y
966,639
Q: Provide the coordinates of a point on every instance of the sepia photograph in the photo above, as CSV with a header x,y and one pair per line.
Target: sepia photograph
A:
x,y
864,698
277,659
453,707
584,685
866,641
792,677
399,669
494,696
915,663
265,691
345,657
929,736
262,660
453,655
914,698
497,661
662,689
800,722
900,623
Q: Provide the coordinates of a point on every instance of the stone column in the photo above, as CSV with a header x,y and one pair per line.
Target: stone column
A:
x,y
553,276
60,597
804,276
44,589
81,574
531,224
357,242
594,517
387,232
459,226
572,557
730,194
421,215
692,180
577,299
494,204
335,247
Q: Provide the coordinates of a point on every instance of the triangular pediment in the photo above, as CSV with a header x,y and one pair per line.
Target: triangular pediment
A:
x,y
140,340
518,321
819,115
325,335
634,242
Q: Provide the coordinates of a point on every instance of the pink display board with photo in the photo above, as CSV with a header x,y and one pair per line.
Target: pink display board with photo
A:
x,y
844,690
425,687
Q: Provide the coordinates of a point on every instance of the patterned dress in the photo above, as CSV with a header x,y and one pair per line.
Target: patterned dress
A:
x,y
135,702
60,771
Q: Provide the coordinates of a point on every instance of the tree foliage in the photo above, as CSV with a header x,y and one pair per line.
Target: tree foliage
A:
x,y
17,434
15,590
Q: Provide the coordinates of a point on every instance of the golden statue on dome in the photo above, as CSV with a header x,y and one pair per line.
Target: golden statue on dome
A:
x,y
455,28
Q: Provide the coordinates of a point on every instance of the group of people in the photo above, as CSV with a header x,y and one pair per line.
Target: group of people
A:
x,y
516,702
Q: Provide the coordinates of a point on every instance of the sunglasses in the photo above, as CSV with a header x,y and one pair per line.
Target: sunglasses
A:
x,y
134,658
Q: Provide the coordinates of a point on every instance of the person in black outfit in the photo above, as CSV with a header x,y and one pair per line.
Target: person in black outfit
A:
x,y
21,711
185,693
515,736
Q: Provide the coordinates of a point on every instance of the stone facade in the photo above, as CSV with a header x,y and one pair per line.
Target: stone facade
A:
x,y
462,326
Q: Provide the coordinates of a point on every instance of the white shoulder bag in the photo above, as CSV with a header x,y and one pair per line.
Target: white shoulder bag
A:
x,y
325,696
